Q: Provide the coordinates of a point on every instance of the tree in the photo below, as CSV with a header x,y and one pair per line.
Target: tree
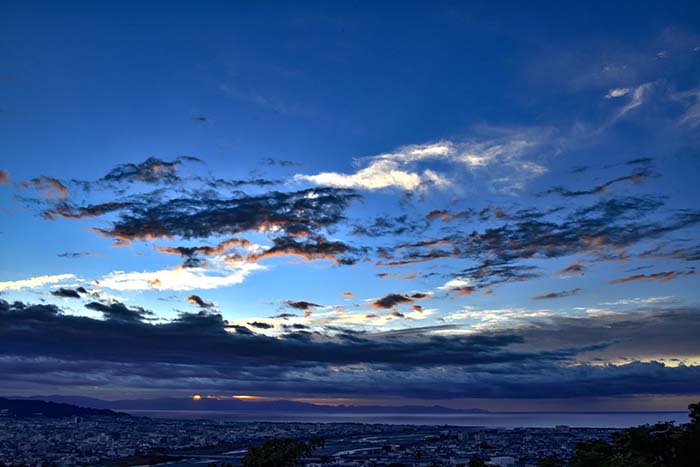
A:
x,y
659,445
694,414
550,461
284,452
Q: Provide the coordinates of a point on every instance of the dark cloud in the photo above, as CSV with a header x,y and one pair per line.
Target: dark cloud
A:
x,y
66,293
43,346
117,311
657,276
77,254
562,294
301,305
152,170
637,177
241,330
49,188
281,162
463,290
691,253
296,213
314,248
200,302
193,335
388,226
259,325
294,220
573,268
447,216
70,211
391,300
259,182
603,231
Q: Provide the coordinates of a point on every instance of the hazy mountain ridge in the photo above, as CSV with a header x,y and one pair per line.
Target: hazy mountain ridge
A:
x,y
22,408
211,404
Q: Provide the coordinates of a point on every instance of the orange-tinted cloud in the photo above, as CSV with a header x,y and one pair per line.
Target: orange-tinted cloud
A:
x,y
657,276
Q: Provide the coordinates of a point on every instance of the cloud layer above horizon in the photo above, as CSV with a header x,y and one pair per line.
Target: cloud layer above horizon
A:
x,y
543,247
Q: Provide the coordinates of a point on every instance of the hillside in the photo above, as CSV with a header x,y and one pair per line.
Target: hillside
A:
x,y
13,408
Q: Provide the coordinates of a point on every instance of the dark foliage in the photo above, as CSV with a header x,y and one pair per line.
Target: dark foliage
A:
x,y
285,452
660,445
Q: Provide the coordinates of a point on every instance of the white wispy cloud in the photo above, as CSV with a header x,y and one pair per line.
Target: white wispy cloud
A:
x,y
220,274
388,170
691,100
455,283
617,92
34,282
506,150
665,300
497,318
637,97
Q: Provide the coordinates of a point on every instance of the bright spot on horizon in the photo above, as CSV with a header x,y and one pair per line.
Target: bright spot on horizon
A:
x,y
196,397
245,397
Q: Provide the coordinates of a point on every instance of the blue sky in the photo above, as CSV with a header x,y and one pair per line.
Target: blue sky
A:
x,y
359,178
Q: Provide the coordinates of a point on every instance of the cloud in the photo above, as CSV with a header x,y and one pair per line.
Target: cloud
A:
x,y
646,301
281,162
35,282
691,253
393,299
316,248
557,357
302,305
77,254
602,231
119,312
657,276
388,226
49,188
152,170
182,279
691,100
447,216
637,177
386,171
509,152
637,96
67,293
200,302
204,215
562,294
617,92
574,268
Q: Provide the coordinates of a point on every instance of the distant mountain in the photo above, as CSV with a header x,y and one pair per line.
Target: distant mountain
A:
x,y
16,408
207,404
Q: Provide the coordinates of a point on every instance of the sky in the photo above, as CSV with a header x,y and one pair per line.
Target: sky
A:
x,y
452,203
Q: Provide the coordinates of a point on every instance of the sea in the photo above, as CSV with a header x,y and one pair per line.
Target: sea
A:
x,y
488,419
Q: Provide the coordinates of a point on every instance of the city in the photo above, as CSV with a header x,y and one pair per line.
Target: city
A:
x,y
137,441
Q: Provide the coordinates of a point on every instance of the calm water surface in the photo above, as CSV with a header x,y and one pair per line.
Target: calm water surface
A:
x,y
505,420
